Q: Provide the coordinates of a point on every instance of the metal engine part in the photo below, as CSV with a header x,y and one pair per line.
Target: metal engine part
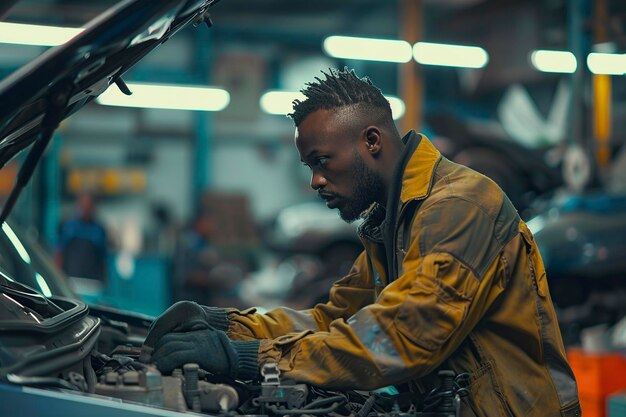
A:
x,y
204,396
182,391
144,386
275,393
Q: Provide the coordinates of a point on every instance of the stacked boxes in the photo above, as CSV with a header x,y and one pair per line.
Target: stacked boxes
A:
x,y
597,375
235,224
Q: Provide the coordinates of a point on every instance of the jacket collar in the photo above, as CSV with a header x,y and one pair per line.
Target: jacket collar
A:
x,y
416,173
419,172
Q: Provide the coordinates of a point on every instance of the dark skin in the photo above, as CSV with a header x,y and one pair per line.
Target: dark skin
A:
x,y
352,153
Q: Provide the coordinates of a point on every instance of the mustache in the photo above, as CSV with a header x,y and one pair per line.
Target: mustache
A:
x,y
325,195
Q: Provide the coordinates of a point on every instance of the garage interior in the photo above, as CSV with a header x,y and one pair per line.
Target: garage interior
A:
x,y
213,204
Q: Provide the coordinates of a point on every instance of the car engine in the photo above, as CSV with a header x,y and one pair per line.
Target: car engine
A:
x,y
59,344
193,390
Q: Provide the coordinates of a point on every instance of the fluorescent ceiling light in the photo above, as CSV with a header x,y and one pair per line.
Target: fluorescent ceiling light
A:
x,y
427,53
554,61
281,103
159,96
368,49
397,107
612,64
38,35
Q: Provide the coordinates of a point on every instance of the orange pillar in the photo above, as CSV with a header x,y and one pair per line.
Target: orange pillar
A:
x,y
411,83
601,92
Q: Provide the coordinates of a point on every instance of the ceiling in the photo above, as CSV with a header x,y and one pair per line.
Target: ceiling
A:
x,y
321,16
508,29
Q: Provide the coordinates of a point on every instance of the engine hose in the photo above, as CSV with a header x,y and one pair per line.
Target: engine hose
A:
x,y
367,407
297,412
324,401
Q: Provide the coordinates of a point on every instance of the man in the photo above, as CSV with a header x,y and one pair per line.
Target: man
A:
x,y
450,277
201,272
83,243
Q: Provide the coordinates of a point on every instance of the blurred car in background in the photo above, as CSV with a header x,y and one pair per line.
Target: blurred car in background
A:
x,y
582,239
524,174
312,247
310,228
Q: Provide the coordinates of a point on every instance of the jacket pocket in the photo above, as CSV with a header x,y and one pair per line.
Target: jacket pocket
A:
x,y
431,313
485,398
353,279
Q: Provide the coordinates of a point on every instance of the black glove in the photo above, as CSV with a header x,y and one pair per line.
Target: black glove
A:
x,y
183,316
212,350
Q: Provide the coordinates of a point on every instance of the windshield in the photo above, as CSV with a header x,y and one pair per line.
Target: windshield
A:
x,y
22,303
25,261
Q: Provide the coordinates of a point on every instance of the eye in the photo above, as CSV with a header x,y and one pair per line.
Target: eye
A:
x,y
321,161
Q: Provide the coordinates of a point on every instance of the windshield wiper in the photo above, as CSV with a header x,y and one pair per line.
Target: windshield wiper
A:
x,y
56,105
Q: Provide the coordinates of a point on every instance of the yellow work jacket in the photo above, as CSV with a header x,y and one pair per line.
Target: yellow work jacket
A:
x,y
460,285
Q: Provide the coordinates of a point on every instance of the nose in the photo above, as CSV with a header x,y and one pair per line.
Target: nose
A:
x,y
318,181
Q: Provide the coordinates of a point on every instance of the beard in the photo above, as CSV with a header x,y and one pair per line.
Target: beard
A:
x,y
369,187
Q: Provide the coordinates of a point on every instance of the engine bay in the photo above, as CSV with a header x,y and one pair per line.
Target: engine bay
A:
x,y
58,344
193,390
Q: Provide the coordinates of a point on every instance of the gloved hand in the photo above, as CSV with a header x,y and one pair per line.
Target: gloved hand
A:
x,y
212,350
183,316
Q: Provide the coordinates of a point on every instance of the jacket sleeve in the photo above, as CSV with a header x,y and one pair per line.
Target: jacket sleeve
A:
x,y
414,325
347,296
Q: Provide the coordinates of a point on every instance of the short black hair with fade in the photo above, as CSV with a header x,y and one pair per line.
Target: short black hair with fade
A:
x,y
339,88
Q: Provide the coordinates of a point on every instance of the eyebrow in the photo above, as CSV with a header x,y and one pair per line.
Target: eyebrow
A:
x,y
309,155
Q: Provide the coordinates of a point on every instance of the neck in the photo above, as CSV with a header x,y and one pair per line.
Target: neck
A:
x,y
390,170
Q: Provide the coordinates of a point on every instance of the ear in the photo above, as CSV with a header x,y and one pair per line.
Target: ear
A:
x,y
373,139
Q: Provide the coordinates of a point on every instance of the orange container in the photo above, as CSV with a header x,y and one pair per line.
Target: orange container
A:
x,y
597,374
593,407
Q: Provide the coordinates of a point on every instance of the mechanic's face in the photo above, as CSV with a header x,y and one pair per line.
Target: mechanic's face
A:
x,y
336,155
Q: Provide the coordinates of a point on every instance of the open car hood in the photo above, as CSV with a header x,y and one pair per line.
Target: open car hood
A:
x,y
38,96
